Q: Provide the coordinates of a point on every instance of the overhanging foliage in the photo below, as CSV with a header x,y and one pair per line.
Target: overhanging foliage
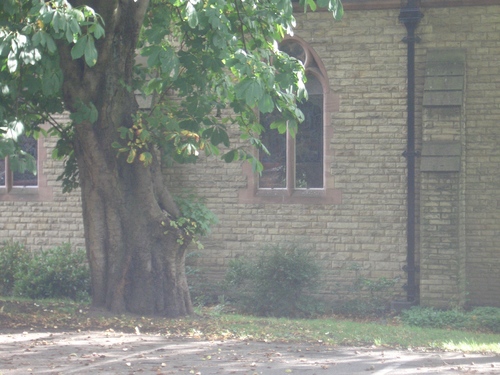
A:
x,y
219,58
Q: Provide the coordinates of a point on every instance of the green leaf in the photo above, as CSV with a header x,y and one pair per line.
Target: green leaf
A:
x,y
74,27
169,62
51,45
131,156
58,22
79,48
251,90
153,85
337,10
4,47
84,113
146,158
257,166
10,6
7,147
51,82
217,136
311,5
266,104
97,30
69,35
23,162
38,38
334,6
94,114
123,132
154,54
90,51
281,125
77,16
192,15
12,62
293,127
230,156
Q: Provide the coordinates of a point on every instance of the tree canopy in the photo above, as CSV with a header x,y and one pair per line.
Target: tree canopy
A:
x,y
214,55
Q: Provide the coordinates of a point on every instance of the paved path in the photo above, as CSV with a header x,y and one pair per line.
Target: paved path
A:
x,y
116,353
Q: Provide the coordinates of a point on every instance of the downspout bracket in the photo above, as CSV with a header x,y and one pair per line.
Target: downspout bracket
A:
x,y
415,39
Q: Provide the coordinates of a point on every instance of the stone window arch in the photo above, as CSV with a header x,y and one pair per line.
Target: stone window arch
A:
x,y
297,169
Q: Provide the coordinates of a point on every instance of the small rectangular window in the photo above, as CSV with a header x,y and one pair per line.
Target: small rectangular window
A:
x,y
2,172
30,146
9,178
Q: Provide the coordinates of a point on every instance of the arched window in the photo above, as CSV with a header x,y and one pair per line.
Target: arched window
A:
x,y
295,162
297,168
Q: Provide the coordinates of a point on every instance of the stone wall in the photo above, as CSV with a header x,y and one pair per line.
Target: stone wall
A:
x,y
468,250
442,257
366,64
42,217
364,227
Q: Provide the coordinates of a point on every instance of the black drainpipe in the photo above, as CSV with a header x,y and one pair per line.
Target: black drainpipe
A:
x,y
410,16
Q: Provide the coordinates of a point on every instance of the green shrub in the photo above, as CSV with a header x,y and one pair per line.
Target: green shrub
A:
x,y
278,283
55,273
195,220
14,259
204,292
367,297
479,319
486,318
432,318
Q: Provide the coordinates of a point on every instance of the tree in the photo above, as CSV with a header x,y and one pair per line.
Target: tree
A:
x,y
199,59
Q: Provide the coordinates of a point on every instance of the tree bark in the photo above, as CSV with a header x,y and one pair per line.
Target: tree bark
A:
x,y
136,263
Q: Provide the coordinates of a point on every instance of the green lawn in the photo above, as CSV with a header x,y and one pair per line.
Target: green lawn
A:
x,y
213,324
335,331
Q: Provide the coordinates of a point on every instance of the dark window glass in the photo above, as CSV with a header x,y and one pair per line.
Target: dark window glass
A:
x,y
2,172
294,49
29,145
309,145
300,159
274,173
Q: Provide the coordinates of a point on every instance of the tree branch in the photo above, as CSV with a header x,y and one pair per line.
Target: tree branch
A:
x,y
242,24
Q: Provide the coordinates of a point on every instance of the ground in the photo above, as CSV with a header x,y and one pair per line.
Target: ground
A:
x,y
85,341
112,352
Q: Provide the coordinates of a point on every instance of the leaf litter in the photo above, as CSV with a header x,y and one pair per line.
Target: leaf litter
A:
x,y
64,338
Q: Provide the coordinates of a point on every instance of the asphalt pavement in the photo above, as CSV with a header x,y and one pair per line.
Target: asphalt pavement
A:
x,y
117,353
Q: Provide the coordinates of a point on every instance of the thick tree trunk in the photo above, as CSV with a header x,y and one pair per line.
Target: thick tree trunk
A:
x,y
136,263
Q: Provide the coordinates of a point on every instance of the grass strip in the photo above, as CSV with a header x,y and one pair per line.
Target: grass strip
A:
x,y
50,315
